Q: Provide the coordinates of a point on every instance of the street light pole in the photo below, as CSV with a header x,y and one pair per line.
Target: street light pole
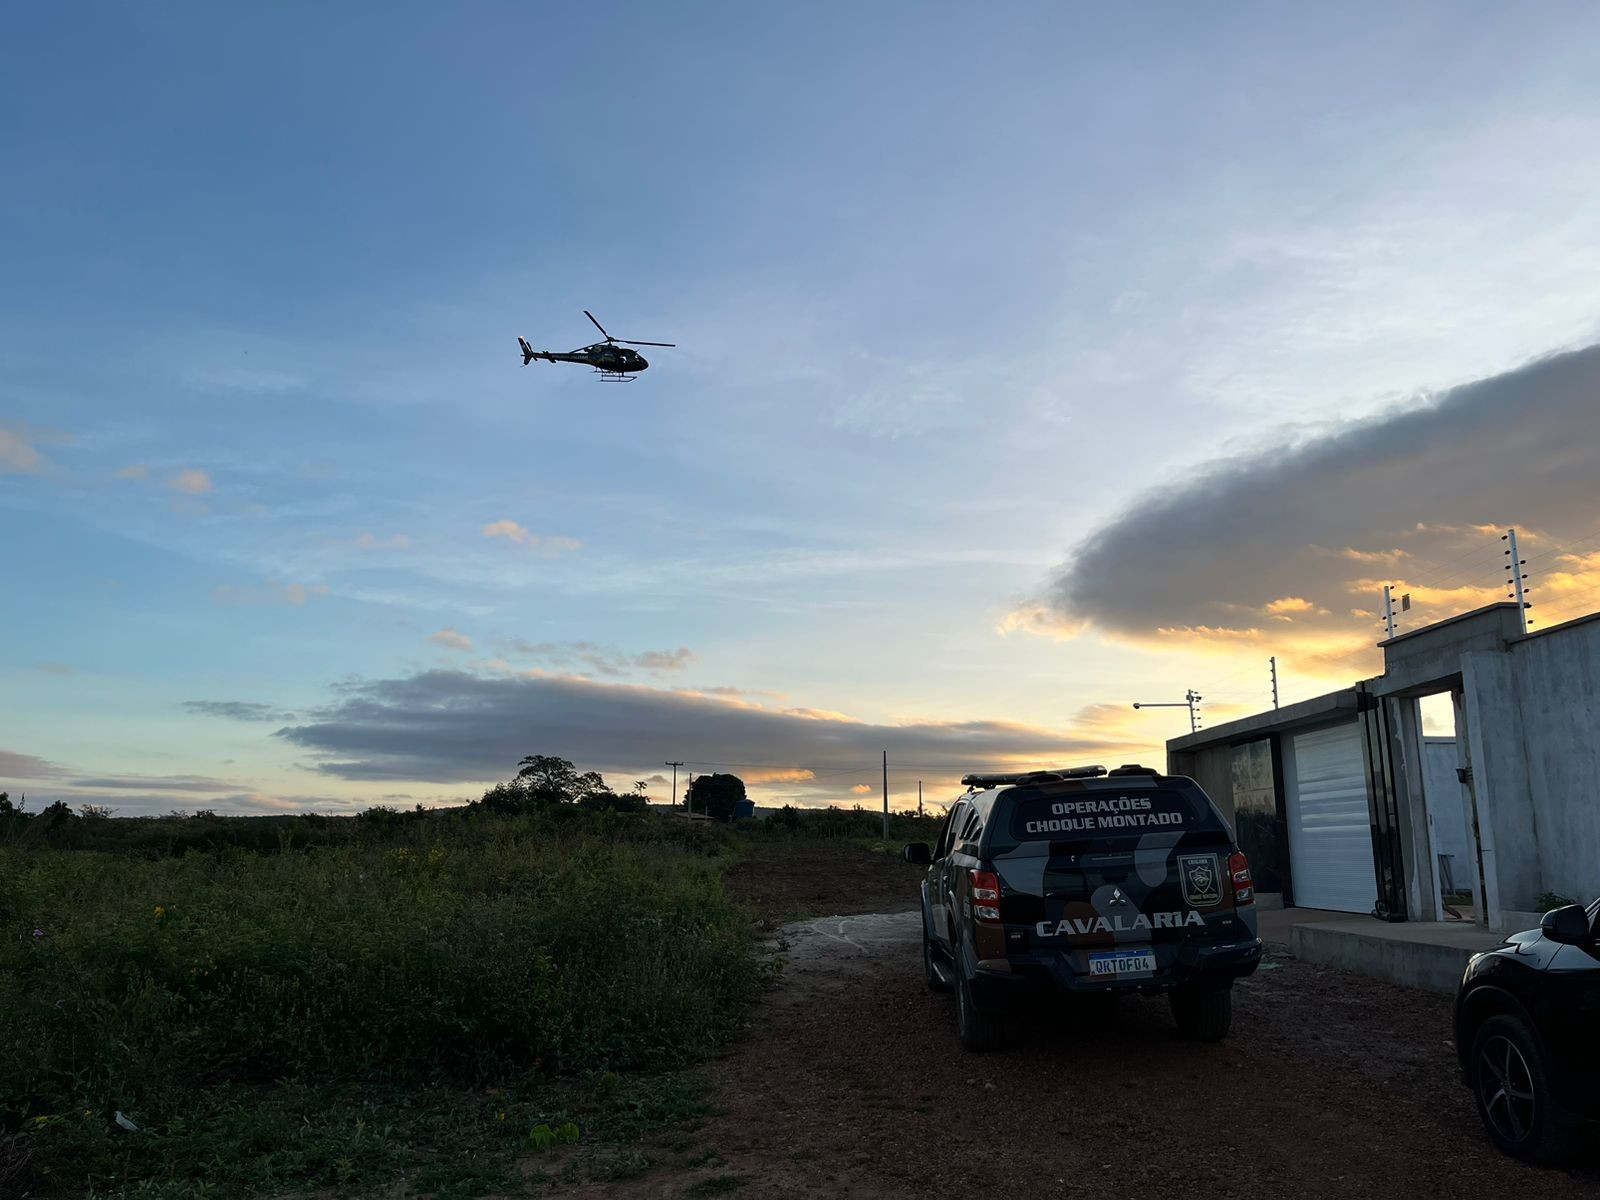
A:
x,y
1191,701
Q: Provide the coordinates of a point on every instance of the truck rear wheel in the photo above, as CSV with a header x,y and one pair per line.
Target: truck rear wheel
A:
x,y
981,1028
1203,1014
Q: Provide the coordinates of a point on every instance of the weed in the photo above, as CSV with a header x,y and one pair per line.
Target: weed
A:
x,y
322,1017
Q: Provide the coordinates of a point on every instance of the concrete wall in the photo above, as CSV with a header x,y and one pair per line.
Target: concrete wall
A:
x,y
1558,684
1534,737
1212,768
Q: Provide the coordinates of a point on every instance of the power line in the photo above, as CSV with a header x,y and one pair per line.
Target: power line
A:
x,y
1554,550
1439,566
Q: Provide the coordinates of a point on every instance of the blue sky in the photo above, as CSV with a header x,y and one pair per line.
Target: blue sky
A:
x,y
958,294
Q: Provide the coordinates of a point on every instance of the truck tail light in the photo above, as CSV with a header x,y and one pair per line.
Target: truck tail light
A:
x,y
985,895
1244,891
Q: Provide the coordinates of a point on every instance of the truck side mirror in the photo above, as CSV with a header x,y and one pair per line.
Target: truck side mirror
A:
x,y
1569,925
917,854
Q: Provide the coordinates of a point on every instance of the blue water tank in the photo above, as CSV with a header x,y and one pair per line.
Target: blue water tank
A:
x,y
744,810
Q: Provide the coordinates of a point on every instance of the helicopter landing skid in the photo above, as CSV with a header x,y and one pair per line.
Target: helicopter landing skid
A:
x,y
613,376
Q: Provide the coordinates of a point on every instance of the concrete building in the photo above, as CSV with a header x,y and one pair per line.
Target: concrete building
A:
x,y
1343,804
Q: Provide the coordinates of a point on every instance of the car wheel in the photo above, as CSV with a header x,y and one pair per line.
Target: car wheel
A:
x,y
1510,1077
1203,1014
936,982
980,1027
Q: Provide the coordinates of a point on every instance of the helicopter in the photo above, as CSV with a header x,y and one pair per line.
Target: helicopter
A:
x,y
611,358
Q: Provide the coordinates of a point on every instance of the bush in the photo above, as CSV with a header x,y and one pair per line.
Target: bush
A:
x,y
467,950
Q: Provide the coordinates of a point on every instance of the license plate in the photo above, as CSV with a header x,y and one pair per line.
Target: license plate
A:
x,y
1123,962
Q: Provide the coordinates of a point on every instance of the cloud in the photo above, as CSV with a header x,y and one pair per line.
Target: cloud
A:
x,y
136,471
1382,558
1287,608
73,781
521,536
453,727
777,775
17,454
1424,489
601,660
54,668
294,595
862,789
25,766
191,482
398,541
1041,619
664,660
506,529
170,783
237,710
136,795
451,640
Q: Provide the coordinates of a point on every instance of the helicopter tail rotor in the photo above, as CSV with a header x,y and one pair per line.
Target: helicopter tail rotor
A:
x,y
527,351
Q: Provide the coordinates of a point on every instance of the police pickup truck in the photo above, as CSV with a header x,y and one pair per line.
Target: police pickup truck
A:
x,y
1086,881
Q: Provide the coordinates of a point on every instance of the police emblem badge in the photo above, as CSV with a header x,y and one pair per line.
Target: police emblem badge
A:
x,y
1202,880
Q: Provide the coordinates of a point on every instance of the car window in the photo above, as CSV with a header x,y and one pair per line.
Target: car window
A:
x,y
972,826
957,813
1083,815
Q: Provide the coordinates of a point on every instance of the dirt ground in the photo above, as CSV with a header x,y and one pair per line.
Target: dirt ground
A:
x,y
784,881
849,1082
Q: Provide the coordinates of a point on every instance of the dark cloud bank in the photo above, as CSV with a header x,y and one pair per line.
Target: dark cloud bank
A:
x,y
1518,448
456,727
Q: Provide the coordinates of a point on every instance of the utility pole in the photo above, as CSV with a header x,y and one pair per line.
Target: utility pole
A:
x,y
1516,562
688,796
675,764
886,795
919,797
1272,664
1388,611
1191,701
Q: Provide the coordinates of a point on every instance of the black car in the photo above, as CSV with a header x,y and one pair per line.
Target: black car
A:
x,y
1086,881
1528,1034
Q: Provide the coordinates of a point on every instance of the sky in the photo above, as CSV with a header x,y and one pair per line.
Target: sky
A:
x,y
1031,360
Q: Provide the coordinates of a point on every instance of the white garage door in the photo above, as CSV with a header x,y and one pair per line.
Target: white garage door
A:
x,y
1330,835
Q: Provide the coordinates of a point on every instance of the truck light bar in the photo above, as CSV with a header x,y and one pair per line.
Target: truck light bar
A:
x,y
988,780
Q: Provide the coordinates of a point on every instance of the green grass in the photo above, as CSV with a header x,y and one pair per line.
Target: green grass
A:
x,y
349,1016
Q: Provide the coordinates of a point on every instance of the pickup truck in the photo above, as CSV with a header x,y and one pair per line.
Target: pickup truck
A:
x,y
1085,880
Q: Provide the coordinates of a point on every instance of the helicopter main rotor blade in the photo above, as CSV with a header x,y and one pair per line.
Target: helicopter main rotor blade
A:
x,y
626,342
598,326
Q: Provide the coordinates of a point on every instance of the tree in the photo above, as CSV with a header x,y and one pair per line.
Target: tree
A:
x,y
550,780
543,780
718,796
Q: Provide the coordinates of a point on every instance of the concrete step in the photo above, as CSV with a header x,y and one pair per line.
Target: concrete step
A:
x,y
1420,954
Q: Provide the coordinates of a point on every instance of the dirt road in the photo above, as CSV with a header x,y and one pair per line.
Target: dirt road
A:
x,y
849,1083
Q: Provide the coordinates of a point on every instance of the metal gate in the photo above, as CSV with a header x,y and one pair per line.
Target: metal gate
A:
x,y
1330,831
